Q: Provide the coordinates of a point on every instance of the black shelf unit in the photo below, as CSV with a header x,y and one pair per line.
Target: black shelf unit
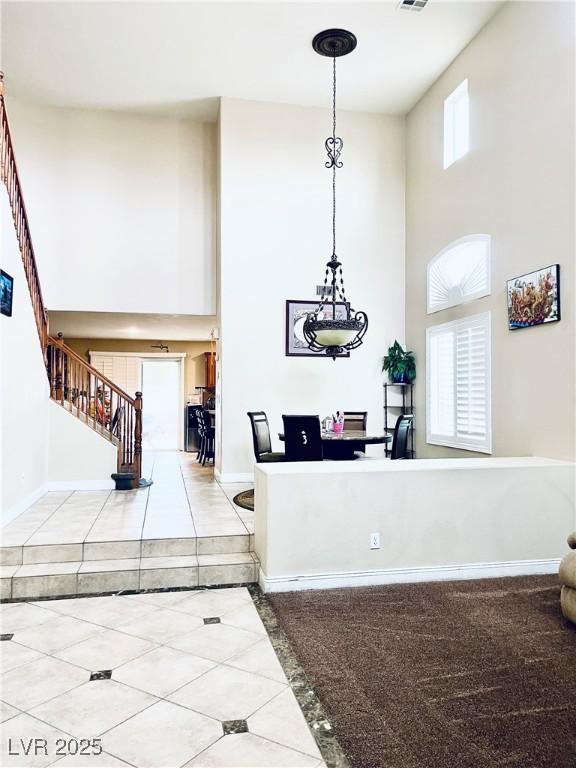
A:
x,y
393,410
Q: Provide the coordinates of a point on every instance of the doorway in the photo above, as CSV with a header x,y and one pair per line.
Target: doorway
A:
x,y
162,400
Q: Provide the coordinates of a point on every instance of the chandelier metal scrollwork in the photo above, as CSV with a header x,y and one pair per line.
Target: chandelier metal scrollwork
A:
x,y
334,327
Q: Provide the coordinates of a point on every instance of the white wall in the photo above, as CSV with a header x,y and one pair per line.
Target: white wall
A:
x,y
275,238
437,519
517,184
121,208
23,386
79,458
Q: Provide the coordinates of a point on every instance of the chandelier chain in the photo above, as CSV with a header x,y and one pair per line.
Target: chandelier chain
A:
x,y
335,164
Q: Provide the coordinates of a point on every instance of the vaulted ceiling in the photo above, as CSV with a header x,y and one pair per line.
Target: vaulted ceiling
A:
x,y
178,57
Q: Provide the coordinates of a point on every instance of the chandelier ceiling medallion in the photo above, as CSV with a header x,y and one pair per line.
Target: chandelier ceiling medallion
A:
x,y
334,327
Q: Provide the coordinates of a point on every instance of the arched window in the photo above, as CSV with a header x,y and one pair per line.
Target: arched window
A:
x,y
459,273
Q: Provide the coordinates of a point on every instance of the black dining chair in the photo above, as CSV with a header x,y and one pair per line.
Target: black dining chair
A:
x,y
400,439
261,438
355,421
303,438
207,437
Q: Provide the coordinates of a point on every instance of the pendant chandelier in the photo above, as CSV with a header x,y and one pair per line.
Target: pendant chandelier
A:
x,y
334,327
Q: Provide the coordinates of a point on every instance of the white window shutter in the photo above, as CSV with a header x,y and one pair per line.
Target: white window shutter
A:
x,y
459,273
458,384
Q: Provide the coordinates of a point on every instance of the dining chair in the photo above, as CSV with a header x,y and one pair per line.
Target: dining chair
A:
x,y
355,421
400,439
207,437
261,438
303,438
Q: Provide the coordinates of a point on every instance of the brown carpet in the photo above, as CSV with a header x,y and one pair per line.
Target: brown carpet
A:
x,y
468,674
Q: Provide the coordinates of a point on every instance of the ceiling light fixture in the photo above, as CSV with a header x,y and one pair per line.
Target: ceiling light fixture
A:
x,y
334,327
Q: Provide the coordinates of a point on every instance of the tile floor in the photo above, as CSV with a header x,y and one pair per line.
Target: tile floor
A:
x,y
184,530
155,680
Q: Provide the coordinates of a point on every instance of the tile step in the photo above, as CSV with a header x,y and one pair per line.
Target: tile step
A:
x,y
26,554
59,579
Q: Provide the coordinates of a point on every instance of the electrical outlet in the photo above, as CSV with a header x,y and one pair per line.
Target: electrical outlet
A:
x,y
374,541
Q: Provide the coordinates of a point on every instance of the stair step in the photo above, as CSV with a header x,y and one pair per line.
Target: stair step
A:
x,y
71,551
88,577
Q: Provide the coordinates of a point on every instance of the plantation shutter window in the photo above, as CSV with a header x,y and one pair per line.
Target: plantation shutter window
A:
x,y
458,384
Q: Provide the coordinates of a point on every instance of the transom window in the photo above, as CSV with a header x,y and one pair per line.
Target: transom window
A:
x,y
458,384
459,273
456,124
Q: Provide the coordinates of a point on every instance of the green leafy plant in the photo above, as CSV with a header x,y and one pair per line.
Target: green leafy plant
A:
x,y
399,364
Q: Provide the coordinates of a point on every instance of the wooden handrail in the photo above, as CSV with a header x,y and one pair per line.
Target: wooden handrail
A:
x,y
10,177
81,361
90,396
74,383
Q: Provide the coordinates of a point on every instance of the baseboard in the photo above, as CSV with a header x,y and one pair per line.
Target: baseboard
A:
x,y
407,575
81,485
24,503
233,477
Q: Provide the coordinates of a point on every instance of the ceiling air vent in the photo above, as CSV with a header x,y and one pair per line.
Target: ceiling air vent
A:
x,y
412,5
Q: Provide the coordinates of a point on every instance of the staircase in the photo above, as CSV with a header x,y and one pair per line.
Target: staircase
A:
x,y
74,384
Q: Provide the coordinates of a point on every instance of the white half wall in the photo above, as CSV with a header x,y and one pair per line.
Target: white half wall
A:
x,y
23,387
121,207
275,238
79,458
436,519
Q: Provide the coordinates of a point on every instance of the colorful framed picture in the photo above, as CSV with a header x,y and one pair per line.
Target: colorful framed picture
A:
x,y
296,312
534,298
6,290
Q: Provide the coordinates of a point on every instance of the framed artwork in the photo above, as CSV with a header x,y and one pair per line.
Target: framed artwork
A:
x,y
6,290
296,312
534,298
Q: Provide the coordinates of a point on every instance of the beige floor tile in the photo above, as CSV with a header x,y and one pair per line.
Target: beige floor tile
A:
x,y
93,708
216,575
245,750
17,616
111,550
106,566
105,611
106,650
13,655
217,642
7,712
47,569
213,602
52,553
161,625
281,720
161,599
34,683
260,659
227,694
162,671
160,547
102,760
22,729
33,587
57,634
163,735
245,617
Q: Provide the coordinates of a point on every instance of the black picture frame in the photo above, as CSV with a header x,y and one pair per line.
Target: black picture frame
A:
x,y
295,344
6,293
533,299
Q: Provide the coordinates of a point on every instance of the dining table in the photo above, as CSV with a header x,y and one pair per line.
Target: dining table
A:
x,y
341,446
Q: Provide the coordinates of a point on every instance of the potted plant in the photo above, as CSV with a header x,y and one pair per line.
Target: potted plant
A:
x,y
399,364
